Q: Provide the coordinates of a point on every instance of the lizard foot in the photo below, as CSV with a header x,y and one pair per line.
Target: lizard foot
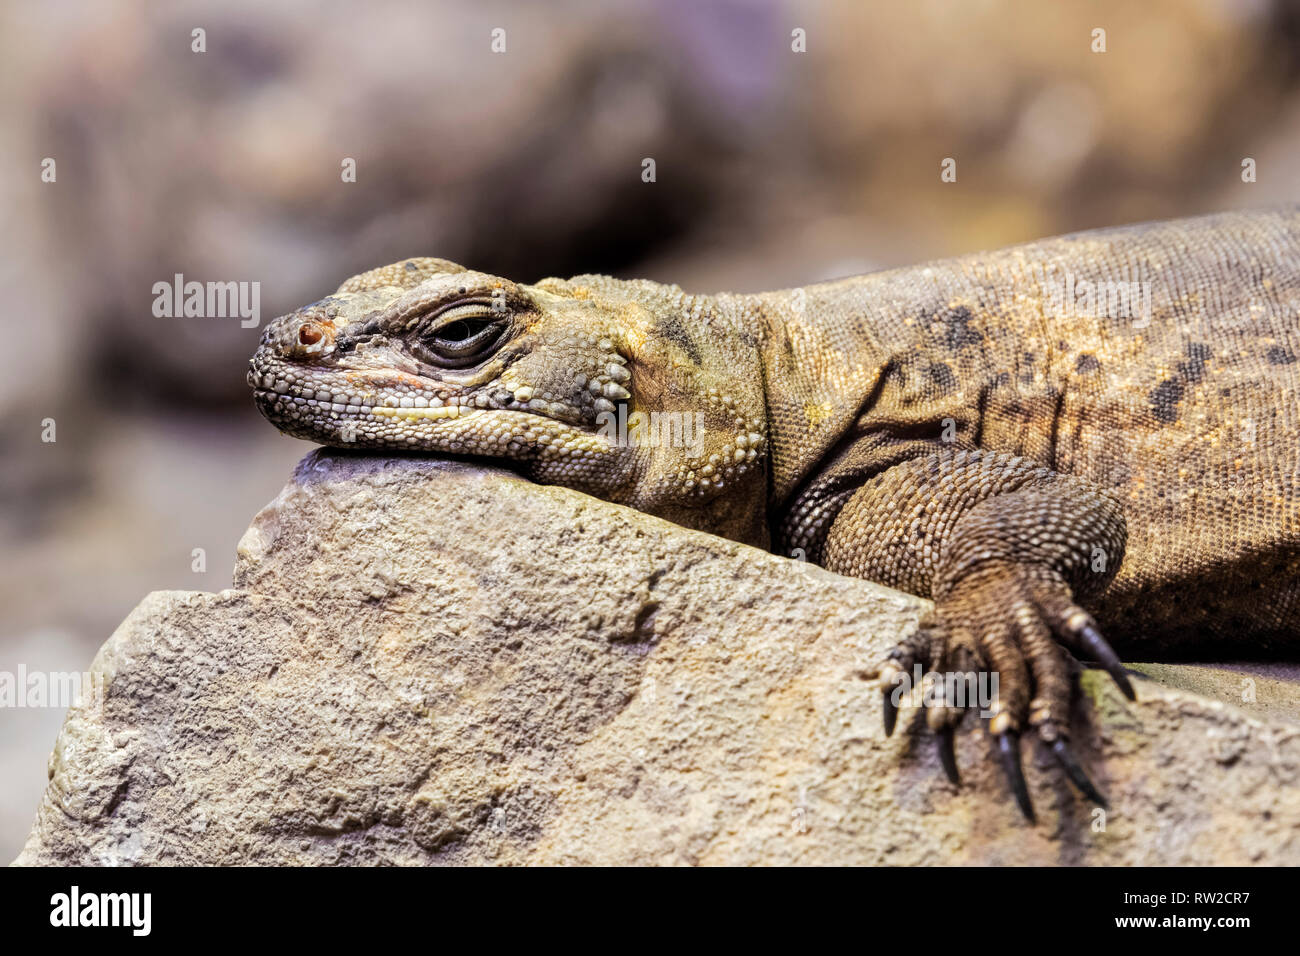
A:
x,y
1002,621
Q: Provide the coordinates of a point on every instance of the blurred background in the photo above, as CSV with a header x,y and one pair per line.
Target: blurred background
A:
x,y
773,168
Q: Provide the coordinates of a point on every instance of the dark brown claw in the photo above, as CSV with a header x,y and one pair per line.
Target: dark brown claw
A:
x,y
1075,772
913,649
947,754
891,712
1107,658
1009,752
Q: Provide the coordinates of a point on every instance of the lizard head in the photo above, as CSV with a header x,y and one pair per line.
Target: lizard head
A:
x,y
628,390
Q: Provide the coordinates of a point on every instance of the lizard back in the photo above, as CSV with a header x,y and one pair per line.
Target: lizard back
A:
x,y
1158,361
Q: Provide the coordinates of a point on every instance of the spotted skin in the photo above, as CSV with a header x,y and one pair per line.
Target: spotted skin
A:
x,y
1093,433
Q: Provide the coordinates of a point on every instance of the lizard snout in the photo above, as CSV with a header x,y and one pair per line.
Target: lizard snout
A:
x,y
300,337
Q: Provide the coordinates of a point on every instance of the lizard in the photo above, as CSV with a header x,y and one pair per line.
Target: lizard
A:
x,y
1084,435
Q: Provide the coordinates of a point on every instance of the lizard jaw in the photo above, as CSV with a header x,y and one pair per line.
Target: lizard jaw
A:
x,y
448,428
374,403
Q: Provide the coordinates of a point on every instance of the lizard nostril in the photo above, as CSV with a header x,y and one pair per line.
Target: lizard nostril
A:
x,y
310,333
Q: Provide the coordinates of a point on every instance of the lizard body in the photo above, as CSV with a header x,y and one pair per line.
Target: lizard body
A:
x,y
1106,420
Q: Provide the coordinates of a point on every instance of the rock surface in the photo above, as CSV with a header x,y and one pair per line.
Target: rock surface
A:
x,y
431,662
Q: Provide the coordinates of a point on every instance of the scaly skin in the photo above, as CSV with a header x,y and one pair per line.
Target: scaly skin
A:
x,y
968,431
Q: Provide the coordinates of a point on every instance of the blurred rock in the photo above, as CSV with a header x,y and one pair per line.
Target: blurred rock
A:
x,y
226,165
427,662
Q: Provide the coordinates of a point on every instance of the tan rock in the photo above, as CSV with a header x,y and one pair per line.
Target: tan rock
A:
x,y
427,662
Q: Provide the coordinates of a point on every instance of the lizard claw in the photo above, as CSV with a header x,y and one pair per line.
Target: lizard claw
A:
x,y
947,754
1070,764
1009,752
1104,655
1078,631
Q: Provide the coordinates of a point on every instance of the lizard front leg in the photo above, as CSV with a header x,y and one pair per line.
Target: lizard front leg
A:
x,y
1005,548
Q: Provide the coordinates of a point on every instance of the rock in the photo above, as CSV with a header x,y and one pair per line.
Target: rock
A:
x,y
425,661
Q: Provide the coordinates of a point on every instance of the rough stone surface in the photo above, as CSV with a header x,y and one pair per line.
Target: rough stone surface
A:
x,y
429,662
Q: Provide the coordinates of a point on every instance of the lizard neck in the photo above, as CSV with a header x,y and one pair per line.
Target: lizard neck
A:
x,y
822,365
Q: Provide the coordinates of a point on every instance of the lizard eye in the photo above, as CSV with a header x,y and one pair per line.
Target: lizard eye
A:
x,y
460,337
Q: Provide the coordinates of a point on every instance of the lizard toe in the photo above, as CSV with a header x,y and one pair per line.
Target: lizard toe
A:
x,y
1077,630
954,689
1049,711
896,672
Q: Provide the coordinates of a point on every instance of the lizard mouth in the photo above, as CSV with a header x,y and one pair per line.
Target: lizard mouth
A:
x,y
368,392
351,409
352,421
372,408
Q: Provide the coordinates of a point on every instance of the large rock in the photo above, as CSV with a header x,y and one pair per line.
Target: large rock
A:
x,y
426,662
